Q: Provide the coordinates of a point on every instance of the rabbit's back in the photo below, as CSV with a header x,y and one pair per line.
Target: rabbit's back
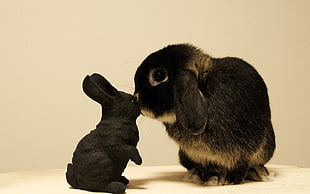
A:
x,y
239,124
238,103
90,161
239,112
238,86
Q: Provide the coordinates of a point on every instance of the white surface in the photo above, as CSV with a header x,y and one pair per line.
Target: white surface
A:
x,y
159,179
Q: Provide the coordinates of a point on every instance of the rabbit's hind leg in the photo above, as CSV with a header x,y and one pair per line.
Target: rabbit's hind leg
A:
x,y
214,175
198,173
211,173
194,169
237,174
259,173
206,176
114,187
71,176
194,175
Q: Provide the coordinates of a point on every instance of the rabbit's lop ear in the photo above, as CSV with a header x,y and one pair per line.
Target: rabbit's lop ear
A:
x,y
190,104
99,89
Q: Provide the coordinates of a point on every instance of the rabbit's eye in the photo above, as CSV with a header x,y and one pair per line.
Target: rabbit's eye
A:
x,y
133,100
158,76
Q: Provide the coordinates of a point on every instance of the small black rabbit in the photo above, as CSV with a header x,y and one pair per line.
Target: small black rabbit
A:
x,y
217,110
101,156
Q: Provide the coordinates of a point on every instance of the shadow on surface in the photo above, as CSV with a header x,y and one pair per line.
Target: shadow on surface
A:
x,y
162,177
177,177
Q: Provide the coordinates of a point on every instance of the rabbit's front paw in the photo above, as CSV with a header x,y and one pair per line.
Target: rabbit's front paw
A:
x,y
135,156
260,173
215,176
124,180
192,177
199,175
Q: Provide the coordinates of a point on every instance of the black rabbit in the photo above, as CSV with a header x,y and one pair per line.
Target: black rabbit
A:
x,y
101,156
216,109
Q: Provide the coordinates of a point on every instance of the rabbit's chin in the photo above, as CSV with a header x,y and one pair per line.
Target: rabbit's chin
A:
x,y
168,118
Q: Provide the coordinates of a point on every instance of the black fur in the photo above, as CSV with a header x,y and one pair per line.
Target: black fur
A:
x,y
101,156
221,107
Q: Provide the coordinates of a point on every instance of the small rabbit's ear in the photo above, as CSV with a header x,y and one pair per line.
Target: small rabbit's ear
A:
x,y
190,104
99,89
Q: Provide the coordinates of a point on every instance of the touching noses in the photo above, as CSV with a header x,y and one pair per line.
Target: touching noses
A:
x,y
136,96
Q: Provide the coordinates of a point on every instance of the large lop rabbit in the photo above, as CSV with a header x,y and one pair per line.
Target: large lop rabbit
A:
x,y
216,109
101,156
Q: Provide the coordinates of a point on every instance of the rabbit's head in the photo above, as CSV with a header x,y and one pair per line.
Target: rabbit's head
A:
x,y
167,88
114,103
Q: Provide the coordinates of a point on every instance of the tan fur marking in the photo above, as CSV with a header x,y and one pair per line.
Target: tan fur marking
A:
x,y
202,154
257,158
200,63
169,118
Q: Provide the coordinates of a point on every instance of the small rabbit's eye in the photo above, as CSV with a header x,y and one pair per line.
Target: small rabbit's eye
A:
x,y
158,76
133,100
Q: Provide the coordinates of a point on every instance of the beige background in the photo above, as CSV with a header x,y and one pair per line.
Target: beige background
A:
x,y
47,47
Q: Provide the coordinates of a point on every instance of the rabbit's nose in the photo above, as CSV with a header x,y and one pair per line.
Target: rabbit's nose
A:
x,y
136,96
